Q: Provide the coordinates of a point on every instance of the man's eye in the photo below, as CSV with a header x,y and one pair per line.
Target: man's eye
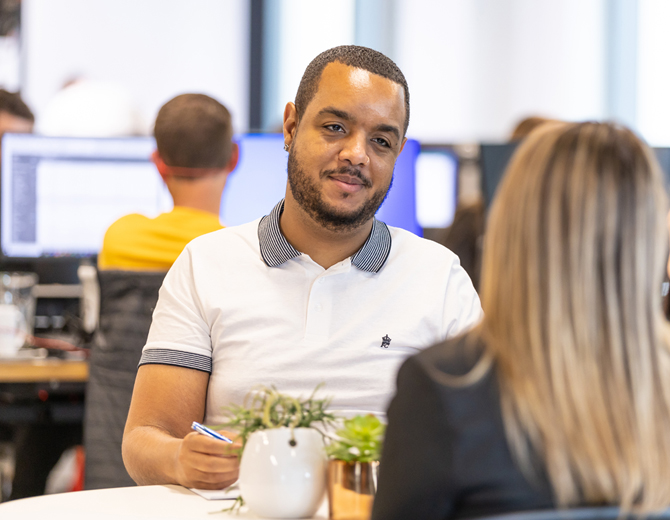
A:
x,y
382,142
335,128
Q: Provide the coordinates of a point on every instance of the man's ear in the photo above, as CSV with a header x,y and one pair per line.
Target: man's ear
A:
x,y
160,164
290,123
402,146
234,158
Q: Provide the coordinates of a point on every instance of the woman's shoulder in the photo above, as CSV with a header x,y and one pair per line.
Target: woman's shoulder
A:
x,y
457,356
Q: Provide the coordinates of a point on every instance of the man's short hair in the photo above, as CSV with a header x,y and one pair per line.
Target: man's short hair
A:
x,y
194,131
12,103
352,56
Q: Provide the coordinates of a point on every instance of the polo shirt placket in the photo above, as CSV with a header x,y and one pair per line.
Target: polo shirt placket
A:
x,y
276,250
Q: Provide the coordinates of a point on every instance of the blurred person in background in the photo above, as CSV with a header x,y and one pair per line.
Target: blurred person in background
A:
x,y
464,236
15,116
561,397
194,155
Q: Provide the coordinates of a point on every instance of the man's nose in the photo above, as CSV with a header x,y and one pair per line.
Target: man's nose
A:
x,y
355,150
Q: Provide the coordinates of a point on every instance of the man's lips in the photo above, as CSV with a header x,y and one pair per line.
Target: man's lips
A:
x,y
348,183
347,179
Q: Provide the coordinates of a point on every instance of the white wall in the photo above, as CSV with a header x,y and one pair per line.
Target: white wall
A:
x,y
156,49
475,68
305,29
653,75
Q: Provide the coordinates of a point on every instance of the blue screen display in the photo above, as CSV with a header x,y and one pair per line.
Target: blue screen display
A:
x,y
259,182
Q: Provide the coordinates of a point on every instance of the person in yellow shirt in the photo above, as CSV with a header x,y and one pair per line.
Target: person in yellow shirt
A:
x,y
194,156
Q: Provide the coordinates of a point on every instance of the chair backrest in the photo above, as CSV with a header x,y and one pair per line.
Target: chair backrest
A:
x,y
127,300
585,513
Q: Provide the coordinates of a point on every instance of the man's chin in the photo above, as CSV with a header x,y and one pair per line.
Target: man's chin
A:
x,y
336,219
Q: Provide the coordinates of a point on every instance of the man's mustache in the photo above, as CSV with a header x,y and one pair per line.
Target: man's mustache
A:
x,y
347,170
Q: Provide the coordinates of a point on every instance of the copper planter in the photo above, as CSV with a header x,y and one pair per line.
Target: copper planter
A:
x,y
351,489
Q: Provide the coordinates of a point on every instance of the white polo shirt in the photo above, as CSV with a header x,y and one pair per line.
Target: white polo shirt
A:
x,y
242,304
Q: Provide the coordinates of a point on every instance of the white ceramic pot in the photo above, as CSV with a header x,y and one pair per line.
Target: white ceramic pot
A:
x,y
278,480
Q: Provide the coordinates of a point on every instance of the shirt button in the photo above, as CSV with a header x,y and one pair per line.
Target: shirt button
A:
x,y
318,307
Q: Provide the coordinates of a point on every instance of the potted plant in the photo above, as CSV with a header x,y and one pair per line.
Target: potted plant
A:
x,y
283,464
352,470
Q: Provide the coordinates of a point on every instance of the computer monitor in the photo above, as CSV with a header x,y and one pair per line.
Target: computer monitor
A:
x,y
493,159
259,182
437,169
663,156
60,194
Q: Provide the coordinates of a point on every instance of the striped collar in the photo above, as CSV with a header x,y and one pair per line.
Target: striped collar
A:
x,y
276,250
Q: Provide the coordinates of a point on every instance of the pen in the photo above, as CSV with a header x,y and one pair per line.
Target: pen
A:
x,y
210,433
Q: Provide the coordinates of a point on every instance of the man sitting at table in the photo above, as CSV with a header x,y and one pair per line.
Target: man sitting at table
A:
x,y
194,156
318,290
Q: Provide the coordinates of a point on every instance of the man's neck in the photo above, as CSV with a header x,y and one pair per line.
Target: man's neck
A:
x,y
202,194
324,246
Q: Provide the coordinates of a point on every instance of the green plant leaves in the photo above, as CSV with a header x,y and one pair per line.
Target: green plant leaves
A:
x,y
360,440
265,408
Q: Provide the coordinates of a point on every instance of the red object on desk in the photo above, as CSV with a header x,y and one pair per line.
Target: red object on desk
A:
x,y
78,480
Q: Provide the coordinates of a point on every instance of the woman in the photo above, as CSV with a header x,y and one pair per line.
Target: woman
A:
x,y
561,397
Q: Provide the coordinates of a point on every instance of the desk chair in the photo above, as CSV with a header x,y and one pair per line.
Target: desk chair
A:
x,y
127,301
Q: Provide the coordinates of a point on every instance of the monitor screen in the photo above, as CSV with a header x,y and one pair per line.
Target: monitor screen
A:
x,y
59,195
493,159
259,182
663,156
437,170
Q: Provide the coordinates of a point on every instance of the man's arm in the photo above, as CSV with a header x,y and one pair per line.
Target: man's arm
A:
x,y
158,444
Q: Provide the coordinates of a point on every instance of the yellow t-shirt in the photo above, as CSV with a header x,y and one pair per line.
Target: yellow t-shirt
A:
x,y
136,242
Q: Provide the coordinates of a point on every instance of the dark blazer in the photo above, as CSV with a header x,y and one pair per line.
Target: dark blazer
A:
x,y
445,454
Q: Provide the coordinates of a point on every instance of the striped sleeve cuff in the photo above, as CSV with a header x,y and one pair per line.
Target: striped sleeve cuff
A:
x,y
178,358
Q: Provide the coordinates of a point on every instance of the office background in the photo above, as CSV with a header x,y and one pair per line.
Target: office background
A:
x,y
474,67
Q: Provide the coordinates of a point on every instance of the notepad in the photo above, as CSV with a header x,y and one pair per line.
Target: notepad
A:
x,y
229,493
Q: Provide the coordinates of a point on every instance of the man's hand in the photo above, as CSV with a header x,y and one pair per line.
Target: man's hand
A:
x,y
159,446
206,463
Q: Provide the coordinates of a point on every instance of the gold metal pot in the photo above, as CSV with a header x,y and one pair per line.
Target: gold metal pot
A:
x,y
351,489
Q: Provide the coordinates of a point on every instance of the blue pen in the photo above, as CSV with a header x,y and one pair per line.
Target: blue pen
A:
x,y
210,433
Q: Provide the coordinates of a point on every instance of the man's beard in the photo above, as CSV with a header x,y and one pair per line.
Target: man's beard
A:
x,y
307,194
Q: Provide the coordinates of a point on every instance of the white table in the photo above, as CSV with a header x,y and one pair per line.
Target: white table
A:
x,y
131,503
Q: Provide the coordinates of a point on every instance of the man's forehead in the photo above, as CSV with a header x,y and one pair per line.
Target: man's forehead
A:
x,y
342,81
354,77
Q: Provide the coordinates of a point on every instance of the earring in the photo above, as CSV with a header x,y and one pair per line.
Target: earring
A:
x,y
285,147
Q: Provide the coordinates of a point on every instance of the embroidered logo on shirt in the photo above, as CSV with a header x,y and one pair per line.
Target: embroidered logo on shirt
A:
x,y
386,341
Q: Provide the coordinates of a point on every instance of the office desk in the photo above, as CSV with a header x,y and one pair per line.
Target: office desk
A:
x,y
42,411
136,503
43,371
42,390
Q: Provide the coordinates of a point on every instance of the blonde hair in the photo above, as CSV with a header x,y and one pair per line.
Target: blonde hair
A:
x,y
527,125
571,277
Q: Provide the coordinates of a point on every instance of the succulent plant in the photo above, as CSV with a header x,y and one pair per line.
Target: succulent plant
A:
x,y
359,440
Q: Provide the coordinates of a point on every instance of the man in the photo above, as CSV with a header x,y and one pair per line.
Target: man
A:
x,y
318,290
194,156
